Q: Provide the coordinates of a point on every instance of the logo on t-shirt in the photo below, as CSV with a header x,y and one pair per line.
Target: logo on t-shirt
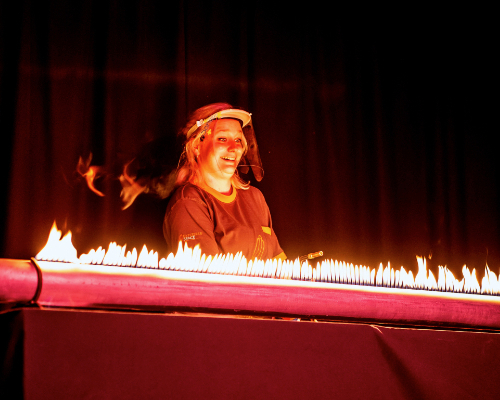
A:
x,y
189,236
259,248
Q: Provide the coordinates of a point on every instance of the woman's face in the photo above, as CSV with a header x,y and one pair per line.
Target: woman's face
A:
x,y
221,149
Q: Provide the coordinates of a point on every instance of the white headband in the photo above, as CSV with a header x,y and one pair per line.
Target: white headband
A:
x,y
241,115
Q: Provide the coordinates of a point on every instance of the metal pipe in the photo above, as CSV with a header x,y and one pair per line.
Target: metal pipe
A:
x,y
18,281
92,286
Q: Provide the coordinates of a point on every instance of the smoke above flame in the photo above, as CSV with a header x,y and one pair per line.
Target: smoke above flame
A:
x,y
192,260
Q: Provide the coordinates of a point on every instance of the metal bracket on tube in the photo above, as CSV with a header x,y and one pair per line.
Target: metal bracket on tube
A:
x,y
39,282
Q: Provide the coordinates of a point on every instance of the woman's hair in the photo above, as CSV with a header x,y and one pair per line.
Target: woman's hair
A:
x,y
189,169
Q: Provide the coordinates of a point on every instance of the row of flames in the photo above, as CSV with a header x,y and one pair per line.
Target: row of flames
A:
x,y
191,260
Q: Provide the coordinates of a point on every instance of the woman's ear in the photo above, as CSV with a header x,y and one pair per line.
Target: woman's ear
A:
x,y
196,149
197,143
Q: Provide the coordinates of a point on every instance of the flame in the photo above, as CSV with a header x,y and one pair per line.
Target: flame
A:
x,y
192,260
90,173
490,283
58,249
130,187
422,281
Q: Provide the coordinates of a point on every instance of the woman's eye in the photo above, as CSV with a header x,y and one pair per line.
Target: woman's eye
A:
x,y
221,139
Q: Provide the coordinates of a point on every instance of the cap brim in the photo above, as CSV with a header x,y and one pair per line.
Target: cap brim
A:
x,y
240,115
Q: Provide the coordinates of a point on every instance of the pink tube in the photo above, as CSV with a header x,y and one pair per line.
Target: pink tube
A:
x,y
90,286
18,281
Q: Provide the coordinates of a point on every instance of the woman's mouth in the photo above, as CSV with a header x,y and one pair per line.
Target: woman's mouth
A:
x,y
229,158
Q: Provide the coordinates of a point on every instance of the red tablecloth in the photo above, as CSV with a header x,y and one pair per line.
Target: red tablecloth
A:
x,y
72,354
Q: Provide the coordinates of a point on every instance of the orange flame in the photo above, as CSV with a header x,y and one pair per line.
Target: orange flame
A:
x,y
130,188
192,260
90,173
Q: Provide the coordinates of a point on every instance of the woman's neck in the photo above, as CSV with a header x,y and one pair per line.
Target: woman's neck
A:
x,y
223,186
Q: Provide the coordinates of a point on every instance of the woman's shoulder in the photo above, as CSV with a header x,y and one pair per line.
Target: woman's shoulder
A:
x,y
190,191
252,190
252,193
186,194
187,191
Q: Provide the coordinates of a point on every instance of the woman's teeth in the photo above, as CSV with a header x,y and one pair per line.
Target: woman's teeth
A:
x,y
228,158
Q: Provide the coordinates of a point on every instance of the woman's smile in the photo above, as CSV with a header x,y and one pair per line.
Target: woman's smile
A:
x,y
221,149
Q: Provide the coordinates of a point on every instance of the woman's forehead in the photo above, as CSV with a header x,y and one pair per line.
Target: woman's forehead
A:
x,y
227,125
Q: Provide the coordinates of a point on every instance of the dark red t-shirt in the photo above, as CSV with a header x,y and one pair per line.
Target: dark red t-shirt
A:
x,y
220,223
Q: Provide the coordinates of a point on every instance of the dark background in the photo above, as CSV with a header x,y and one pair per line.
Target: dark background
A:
x,y
376,127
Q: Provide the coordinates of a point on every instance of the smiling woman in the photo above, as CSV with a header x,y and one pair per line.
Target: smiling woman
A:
x,y
213,206
219,153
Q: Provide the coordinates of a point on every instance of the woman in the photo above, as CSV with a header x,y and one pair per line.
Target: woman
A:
x,y
212,206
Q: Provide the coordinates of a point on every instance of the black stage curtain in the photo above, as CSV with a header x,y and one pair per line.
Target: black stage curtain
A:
x,y
376,132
